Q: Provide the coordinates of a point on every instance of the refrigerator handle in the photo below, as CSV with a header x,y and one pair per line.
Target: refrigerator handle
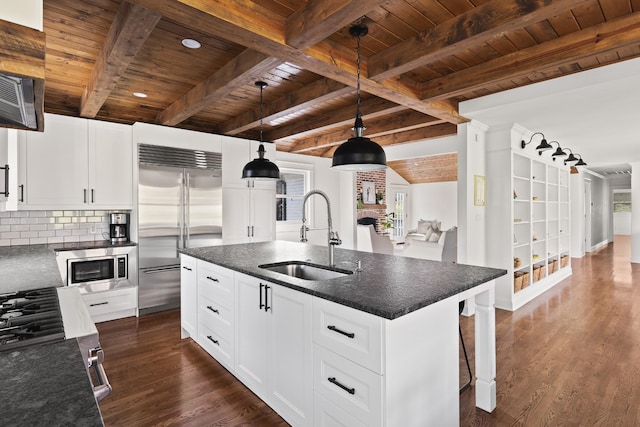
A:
x,y
181,214
187,208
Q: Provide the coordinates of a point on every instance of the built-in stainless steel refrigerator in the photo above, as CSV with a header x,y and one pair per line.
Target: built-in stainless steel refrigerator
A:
x,y
179,206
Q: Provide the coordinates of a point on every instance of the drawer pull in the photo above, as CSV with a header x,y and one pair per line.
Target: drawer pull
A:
x,y
210,338
212,279
213,309
186,268
333,380
346,334
99,303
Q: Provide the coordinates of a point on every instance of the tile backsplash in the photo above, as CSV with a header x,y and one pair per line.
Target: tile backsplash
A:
x,y
44,227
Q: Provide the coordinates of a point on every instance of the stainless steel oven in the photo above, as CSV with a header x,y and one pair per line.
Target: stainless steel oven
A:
x,y
97,269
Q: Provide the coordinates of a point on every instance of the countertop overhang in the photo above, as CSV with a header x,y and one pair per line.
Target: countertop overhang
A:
x,y
389,286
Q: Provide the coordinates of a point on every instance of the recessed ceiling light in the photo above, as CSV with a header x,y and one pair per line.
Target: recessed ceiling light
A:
x,y
191,43
140,94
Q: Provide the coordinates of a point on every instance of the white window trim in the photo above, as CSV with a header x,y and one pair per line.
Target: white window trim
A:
x,y
307,170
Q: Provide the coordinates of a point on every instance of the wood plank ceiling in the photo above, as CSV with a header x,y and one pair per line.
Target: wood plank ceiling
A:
x,y
420,59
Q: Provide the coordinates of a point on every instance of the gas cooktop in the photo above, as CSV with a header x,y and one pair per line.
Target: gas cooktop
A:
x,y
30,317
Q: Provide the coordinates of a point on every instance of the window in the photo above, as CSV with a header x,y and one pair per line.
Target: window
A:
x,y
290,190
622,202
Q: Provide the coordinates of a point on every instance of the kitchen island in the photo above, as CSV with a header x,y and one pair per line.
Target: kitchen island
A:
x,y
373,347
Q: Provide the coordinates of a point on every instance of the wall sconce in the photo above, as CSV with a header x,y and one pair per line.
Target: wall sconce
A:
x,y
571,157
580,162
559,151
544,145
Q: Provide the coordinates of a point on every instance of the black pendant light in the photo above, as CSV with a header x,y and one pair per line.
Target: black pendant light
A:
x,y
261,169
359,153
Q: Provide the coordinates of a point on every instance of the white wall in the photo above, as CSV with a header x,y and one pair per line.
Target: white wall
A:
x,y
438,200
576,197
472,160
622,223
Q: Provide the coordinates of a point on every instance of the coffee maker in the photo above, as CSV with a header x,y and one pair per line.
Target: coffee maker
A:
x,y
119,227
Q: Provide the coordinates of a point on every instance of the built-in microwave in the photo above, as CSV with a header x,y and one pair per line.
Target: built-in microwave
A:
x,y
98,269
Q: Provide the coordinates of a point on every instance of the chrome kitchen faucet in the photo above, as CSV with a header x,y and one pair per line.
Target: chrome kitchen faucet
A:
x,y
332,237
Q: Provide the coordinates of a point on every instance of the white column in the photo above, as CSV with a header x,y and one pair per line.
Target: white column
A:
x,y
635,212
485,331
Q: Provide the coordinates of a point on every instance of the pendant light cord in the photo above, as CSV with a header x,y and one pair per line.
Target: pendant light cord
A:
x,y
261,88
358,78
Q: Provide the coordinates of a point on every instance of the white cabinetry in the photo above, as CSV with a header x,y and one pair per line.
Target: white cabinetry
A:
x,y
216,312
75,164
249,207
112,304
274,346
528,219
188,296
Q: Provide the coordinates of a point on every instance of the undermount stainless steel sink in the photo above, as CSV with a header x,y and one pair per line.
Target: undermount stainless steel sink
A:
x,y
305,270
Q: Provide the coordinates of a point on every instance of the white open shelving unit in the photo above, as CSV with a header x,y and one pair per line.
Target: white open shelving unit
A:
x,y
528,220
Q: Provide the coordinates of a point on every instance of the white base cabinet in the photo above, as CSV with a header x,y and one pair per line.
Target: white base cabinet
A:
x,y
188,297
273,346
112,304
319,363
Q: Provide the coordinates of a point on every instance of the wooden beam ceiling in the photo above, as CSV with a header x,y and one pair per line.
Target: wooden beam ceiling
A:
x,y
562,51
421,170
130,29
420,58
465,31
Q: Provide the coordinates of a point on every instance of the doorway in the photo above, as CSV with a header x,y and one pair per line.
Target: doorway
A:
x,y
399,209
587,216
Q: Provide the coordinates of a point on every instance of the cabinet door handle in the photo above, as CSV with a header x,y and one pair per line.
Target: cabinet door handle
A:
x,y
213,309
346,334
213,279
92,201
248,233
99,303
261,306
210,338
187,268
252,231
6,180
84,191
266,298
21,193
333,380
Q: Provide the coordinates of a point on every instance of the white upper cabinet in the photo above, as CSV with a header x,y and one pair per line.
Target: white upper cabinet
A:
x,y
75,164
110,165
249,206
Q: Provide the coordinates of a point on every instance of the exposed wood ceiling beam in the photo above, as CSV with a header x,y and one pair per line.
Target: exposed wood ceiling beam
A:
x,y
465,31
307,97
318,19
369,108
562,51
240,71
198,98
402,121
131,27
266,34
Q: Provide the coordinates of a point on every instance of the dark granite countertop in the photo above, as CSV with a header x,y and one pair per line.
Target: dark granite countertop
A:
x,y
28,267
47,385
34,266
389,286
98,244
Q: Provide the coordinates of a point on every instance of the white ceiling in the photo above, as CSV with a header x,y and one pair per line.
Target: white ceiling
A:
x,y
595,113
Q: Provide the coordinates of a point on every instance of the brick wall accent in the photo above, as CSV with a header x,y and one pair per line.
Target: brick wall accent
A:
x,y
373,211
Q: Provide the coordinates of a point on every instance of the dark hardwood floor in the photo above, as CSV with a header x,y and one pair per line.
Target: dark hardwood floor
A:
x,y
570,357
